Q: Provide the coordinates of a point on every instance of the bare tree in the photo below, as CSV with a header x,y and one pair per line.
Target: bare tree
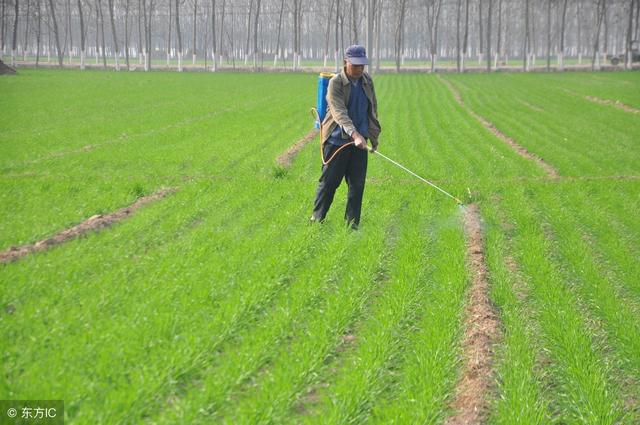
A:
x,y
465,39
26,33
601,8
526,42
213,34
480,33
277,53
15,35
489,13
399,33
82,35
246,48
433,18
327,32
297,30
54,21
195,17
115,37
126,32
628,52
549,35
499,41
354,22
562,32
38,31
458,10
179,34
2,29
169,26
104,49
255,36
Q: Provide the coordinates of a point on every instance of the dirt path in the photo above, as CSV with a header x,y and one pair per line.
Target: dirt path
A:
x,y
95,222
615,103
286,158
482,330
520,150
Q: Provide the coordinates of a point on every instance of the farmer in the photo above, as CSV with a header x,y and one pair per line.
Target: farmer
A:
x,y
352,119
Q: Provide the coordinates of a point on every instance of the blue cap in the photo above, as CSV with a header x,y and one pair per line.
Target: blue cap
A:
x,y
356,55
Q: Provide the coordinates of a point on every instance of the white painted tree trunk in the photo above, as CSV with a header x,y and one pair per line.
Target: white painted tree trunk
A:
x,y
495,61
579,58
275,61
117,62
146,61
82,54
214,67
480,59
434,58
179,61
324,64
193,62
561,61
13,57
168,59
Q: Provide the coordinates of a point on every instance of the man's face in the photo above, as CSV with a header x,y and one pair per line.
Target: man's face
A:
x,y
354,71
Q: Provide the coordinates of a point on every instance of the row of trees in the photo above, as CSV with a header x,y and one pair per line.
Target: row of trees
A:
x,y
248,32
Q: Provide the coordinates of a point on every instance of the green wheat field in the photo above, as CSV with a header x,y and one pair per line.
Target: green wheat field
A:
x,y
219,303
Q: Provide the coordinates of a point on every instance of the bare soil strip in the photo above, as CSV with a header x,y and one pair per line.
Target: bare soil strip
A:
x,y
550,170
95,222
482,330
615,103
286,158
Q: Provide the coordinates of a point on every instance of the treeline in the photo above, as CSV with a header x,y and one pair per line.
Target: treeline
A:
x,y
283,33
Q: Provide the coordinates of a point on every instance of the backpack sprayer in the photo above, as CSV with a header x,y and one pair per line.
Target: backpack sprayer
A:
x,y
319,114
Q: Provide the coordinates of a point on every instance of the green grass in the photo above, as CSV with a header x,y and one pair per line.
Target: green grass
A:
x,y
220,303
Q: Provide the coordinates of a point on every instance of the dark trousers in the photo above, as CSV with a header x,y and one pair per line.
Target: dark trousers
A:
x,y
351,164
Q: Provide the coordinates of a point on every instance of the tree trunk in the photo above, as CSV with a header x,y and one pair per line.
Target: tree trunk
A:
x,y
38,32
480,33
499,41
525,47
104,50
246,48
26,33
277,54
327,33
52,14
628,53
458,14
337,38
465,39
562,30
169,26
354,22
489,13
70,30
221,32
255,36
399,33
179,34
115,37
148,21
194,51
2,29
548,35
15,36
214,46
579,39
600,11
82,35
126,33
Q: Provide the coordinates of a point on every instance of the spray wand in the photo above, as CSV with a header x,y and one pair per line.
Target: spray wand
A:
x,y
315,114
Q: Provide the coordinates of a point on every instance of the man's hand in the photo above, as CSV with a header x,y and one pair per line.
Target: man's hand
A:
x,y
359,141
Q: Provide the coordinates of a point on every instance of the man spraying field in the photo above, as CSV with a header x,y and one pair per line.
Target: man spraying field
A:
x,y
351,120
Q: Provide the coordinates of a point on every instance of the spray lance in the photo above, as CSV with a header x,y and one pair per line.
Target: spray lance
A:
x,y
319,114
